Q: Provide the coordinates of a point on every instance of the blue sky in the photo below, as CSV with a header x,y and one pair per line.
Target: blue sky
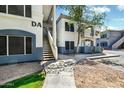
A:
x,y
114,15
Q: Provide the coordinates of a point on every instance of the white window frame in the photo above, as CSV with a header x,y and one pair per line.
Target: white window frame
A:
x,y
7,45
24,45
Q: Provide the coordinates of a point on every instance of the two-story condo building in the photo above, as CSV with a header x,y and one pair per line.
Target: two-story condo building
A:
x,y
67,37
21,32
31,32
111,39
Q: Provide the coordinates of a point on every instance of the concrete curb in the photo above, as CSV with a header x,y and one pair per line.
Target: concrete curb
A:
x,y
104,56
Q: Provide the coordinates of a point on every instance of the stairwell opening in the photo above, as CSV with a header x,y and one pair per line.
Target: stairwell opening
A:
x,y
121,46
47,52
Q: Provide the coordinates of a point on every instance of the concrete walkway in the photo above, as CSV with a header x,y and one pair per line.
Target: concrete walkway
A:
x,y
14,71
59,76
64,80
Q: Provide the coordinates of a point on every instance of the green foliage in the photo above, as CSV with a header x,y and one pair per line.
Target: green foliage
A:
x,y
31,81
84,16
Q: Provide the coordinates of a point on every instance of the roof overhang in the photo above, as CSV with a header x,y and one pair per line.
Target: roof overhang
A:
x,y
47,12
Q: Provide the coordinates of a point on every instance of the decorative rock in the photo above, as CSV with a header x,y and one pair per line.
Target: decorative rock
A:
x,y
60,66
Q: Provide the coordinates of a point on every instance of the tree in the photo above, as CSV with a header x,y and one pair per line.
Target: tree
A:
x,y
85,18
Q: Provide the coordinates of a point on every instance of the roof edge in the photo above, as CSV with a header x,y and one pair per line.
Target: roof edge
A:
x,y
62,16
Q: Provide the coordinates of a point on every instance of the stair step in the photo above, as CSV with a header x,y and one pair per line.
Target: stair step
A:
x,y
47,51
46,48
47,59
47,54
50,54
118,43
47,44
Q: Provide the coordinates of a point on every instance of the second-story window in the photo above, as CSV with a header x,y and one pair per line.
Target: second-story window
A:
x,y
66,26
19,10
3,8
104,36
72,27
69,27
28,10
3,45
16,10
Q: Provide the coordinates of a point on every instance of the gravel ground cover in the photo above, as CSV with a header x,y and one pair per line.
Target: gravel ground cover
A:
x,y
94,74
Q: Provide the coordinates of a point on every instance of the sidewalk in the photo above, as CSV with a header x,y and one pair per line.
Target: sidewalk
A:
x,y
14,71
59,76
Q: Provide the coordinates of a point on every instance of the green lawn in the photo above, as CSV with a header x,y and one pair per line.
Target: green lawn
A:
x,y
35,80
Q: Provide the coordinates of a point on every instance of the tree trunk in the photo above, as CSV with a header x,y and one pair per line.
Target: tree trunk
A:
x,y
78,41
92,29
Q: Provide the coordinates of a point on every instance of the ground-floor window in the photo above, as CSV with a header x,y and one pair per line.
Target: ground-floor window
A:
x,y
28,45
12,45
3,45
69,45
16,45
97,44
103,44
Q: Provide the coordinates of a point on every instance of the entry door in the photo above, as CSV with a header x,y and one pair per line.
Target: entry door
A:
x,y
69,46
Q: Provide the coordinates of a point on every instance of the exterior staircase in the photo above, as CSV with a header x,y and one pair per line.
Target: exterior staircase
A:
x,y
118,43
47,52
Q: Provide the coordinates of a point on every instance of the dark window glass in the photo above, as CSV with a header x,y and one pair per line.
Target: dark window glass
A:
x,y
16,10
3,46
28,10
67,45
97,44
16,45
72,45
3,8
104,36
72,27
101,44
104,44
28,45
66,26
